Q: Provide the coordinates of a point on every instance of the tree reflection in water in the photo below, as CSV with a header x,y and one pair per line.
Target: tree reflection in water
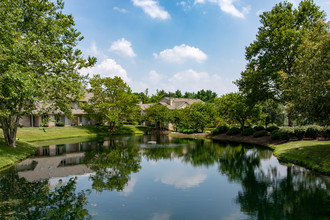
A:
x,y
266,191
270,195
113,163
265,194
20,199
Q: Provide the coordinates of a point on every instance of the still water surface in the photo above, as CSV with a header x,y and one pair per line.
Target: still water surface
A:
x,y
133,178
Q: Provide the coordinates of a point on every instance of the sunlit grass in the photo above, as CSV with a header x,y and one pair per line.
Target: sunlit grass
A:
x,y
311,154
10,155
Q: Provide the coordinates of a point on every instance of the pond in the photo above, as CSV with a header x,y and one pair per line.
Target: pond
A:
x,y
159,177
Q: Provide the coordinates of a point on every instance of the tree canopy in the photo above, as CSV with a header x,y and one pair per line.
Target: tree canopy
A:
x,y
307,90
235,108
157,113
276,48
39,63
112,102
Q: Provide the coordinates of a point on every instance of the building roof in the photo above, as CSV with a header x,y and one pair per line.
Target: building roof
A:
x,y
177,103
145,106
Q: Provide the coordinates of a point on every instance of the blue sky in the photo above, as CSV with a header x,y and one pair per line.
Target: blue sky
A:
x,y
170,44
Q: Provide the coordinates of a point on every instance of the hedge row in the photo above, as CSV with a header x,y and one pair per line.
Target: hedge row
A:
x,y
312,131
186,131
257,131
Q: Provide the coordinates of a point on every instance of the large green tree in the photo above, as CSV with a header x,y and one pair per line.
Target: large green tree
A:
x,y
272,113
308,88
276,48
234,107
112,102
38,61
201,115
157,113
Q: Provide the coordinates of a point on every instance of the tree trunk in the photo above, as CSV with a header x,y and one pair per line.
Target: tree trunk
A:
x,y
158,125
9,128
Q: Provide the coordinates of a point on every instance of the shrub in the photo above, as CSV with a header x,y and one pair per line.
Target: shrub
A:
x,y
233,131
60,124
313,131
275,135
299,132
325,132
260,133
285,133
222,129
188,131
248,131
259,128
272,128
215,131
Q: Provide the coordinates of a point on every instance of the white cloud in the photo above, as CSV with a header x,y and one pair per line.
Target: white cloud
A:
x,y
185,5
129,188
181,53
199,1
191,80
123,47
108,68
152,8
182,3
156,77
228,6
160,216
94,51
187,80
181,180
121,10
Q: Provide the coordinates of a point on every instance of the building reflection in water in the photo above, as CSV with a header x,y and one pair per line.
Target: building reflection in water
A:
x,y
56,161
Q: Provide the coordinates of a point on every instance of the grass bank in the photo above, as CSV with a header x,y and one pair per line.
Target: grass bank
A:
x,y
314,155
190,136
29,138
10,155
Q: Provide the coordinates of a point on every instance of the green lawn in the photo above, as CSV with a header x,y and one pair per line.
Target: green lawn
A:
x,y
311,154
53,133
29,138
10,156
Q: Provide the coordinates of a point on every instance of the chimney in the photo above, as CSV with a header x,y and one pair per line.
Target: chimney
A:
x,y
171,101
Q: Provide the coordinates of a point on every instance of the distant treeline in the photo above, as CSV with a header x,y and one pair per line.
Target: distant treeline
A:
x,y
204,95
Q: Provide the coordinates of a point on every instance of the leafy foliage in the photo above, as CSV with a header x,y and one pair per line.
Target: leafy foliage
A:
x,y
223,128
313,131
235,108
113,165
24,200
39,63
201,115
299,132
272,128
308,89
112,102
276,48
233,131
157,113
248,132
